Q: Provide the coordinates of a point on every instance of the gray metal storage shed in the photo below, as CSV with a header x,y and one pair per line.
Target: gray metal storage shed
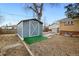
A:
x,y
29,28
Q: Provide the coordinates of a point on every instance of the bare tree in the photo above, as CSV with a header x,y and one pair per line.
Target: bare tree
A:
x,y
37,8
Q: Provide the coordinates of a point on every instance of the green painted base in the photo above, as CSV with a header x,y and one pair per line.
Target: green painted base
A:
x,y
30,40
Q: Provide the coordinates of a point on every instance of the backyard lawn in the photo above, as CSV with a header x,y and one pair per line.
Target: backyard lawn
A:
x,y
10,45
56,46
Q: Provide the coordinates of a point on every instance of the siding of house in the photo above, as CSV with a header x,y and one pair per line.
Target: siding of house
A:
x,y
73,28
55,27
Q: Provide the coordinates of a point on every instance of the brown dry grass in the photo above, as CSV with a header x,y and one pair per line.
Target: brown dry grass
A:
x,y
56,46
7,31
9,39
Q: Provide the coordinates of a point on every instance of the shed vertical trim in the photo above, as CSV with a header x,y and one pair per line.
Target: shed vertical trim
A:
x,y
29,28
22,30
38,28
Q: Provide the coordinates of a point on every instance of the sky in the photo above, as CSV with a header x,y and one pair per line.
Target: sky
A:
x,y
12,13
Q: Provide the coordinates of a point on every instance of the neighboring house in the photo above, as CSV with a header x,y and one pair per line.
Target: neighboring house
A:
x,y
9,27
14,27
69,27
6,27
54,27
46,29
29,28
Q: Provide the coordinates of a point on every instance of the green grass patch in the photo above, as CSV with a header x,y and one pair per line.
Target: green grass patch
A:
x,y
30,40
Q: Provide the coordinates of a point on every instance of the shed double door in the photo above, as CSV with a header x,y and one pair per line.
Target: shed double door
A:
x,y
34,28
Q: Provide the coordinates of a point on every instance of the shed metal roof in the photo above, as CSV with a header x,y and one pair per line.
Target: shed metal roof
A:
x,y
30,20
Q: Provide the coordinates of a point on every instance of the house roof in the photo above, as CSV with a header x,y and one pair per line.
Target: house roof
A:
x,y
30,20
68,19
57,22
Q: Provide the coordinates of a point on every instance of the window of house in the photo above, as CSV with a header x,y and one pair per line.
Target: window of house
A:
x,y
69,23
72,22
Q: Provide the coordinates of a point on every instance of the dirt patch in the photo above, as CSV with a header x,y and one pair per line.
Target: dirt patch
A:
x,y
10,45
56,46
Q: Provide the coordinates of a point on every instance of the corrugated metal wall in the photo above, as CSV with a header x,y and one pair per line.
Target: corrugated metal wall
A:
x,y
34,29
20,28
40,29
25,29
